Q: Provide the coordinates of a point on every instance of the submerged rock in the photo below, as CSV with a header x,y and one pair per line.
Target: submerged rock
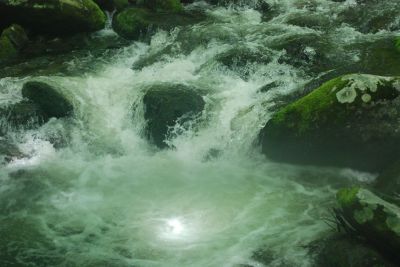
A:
x,y
49,100
41,103
165,104
371,218
56,17
24,114
343,251
8,151
350,121
133,23
12,40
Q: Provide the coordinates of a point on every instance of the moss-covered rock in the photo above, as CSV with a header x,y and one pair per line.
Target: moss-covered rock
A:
x,y
350,121
397,44
371,218
56,17
50,101
133,23
12,40
165,104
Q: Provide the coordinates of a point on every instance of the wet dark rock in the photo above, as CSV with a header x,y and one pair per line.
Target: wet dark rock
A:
x,y
350,121
307,51
24,114
165,104
8,151
372,16
344,251
135,23
51,102
387,184
55,17
12,41
379,57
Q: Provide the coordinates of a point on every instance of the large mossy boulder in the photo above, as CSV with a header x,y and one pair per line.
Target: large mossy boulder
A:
x,y
371,218
133,23
50,101
350,121
12,40
343,251
165,104
55,17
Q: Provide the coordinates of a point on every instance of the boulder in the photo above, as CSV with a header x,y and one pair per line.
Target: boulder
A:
x,y
41,102
133,23
23,114
165,104
12,40
343,251
371,218
387,184
50,101
55,17
350,121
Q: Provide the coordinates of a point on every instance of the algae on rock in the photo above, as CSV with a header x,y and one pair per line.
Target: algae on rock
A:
x,y
350,121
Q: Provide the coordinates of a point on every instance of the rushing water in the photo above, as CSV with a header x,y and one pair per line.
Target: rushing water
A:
x,y
92,191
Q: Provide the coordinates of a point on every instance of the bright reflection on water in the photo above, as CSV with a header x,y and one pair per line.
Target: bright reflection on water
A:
x,y
174,227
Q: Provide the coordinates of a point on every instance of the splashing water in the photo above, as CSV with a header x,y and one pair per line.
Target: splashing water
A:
x,y
105,196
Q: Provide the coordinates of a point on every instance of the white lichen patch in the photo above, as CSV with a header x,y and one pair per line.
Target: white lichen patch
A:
x,y
346,95
367,198
366,98
364,215
362,83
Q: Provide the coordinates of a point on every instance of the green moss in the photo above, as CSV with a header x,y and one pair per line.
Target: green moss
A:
x,y
347,196
397,43
87,12
132,22
56,17
316,106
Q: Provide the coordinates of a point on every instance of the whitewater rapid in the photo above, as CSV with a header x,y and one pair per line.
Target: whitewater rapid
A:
x,y
92,191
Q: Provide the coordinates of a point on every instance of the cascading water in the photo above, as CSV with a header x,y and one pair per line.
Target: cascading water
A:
x,y
92,191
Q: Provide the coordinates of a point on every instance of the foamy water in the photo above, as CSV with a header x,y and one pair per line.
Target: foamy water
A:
x,y
105,196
